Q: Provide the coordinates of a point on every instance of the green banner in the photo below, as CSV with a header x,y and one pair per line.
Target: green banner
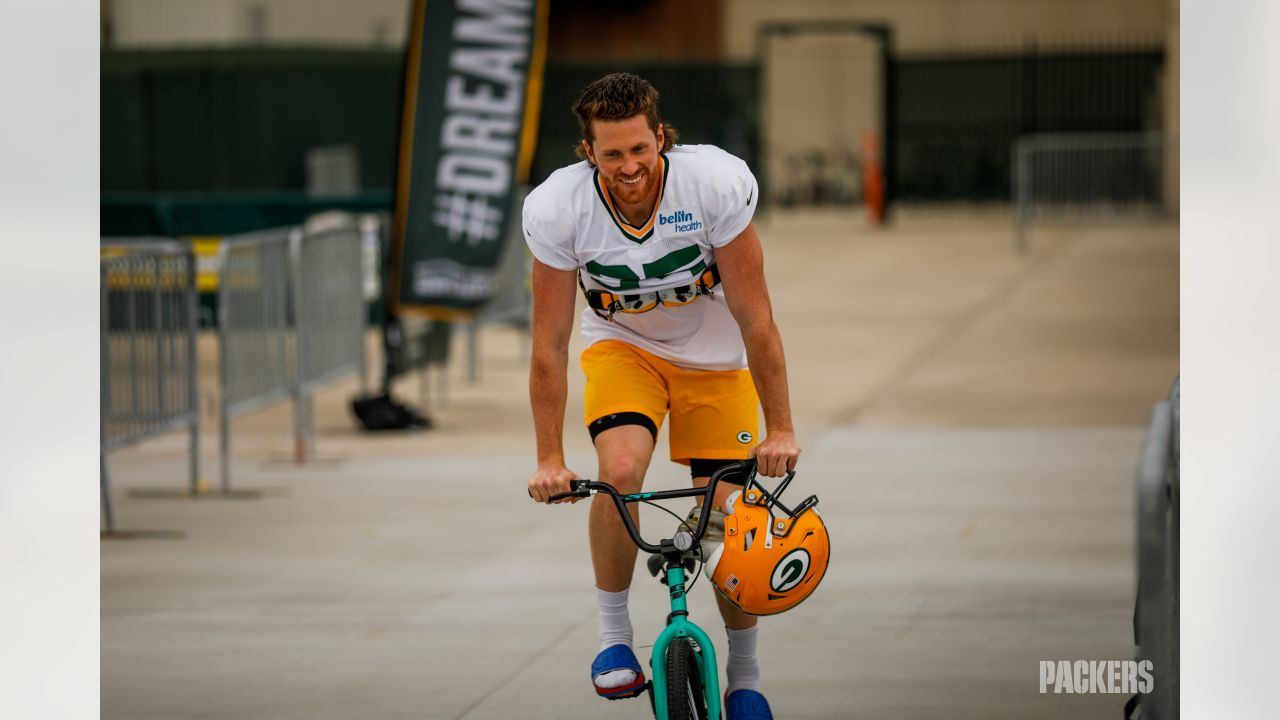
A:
x,y
472,91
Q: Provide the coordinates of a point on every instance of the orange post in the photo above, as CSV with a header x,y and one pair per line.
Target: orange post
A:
x,y
873,177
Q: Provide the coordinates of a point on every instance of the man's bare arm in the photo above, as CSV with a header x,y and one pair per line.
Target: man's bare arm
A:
x,y
741,264
554,293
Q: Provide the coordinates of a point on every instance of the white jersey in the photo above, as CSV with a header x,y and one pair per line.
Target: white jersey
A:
x,y
706,199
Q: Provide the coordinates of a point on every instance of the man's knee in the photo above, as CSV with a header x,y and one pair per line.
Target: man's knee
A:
x,y
623,472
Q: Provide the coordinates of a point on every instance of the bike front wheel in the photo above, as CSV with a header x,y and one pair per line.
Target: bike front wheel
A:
x,y
686,698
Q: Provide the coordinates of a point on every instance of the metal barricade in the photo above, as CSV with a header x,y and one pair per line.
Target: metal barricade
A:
x,y
1095,174
1157,614
329,305
253,328
148,364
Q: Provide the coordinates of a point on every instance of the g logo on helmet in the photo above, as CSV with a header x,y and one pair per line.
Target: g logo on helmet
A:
x,y
790,570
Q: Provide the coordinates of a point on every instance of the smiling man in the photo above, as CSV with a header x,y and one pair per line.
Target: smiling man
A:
x,y
658,237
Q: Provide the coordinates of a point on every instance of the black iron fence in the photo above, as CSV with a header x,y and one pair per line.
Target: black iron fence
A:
x,y
958,115
232,121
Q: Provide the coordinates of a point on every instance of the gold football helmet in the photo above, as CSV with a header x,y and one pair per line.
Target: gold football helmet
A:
x,y
772,557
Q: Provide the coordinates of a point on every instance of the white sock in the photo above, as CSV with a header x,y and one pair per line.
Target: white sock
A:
x,y
743,667
615,629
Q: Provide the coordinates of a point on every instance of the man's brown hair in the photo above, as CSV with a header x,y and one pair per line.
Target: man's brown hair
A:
x,y
618,97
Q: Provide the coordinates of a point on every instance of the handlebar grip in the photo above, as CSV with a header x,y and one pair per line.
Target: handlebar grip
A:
x,y
562,496
577,488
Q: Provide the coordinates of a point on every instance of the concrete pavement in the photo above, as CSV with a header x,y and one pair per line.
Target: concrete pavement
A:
x,y
971,420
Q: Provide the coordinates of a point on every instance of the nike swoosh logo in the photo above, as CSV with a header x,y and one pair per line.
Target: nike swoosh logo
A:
x,y
750,195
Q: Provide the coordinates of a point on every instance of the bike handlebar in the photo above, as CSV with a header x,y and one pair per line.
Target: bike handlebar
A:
x,y
587,488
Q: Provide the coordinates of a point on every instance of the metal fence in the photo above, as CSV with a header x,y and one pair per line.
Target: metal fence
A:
x,y
1157,613
253,328
328,282
291,317
148,364
1088,174
959,110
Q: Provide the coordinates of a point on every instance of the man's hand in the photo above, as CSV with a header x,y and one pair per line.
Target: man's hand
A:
x,y
777,454
550,479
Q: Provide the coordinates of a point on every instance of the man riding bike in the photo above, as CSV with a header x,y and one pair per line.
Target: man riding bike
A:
x,y
658,237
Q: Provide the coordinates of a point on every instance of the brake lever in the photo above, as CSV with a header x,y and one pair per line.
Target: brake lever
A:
x,y
577,488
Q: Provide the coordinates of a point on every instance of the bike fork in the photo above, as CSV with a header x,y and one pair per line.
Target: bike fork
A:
x,y
678,625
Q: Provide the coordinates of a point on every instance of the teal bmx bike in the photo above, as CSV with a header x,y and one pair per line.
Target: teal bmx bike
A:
x,y
685,682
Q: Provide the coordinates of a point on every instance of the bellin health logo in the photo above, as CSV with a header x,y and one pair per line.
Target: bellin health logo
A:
x,y
682,219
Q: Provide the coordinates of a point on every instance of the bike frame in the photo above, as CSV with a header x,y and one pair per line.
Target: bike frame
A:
x,y
678,623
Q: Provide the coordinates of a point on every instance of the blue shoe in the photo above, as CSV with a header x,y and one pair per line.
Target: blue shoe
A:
x,y
617,657
746,705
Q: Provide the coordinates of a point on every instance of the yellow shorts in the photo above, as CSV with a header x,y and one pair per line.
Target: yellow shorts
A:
x,y
714,414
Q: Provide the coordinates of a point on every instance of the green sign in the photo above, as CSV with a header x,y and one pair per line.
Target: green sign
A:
x,y
472,92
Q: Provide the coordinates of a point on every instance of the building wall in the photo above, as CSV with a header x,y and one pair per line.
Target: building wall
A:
x,y
651,28
928,26
822,103
141,24
640,31
822,93
580,30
